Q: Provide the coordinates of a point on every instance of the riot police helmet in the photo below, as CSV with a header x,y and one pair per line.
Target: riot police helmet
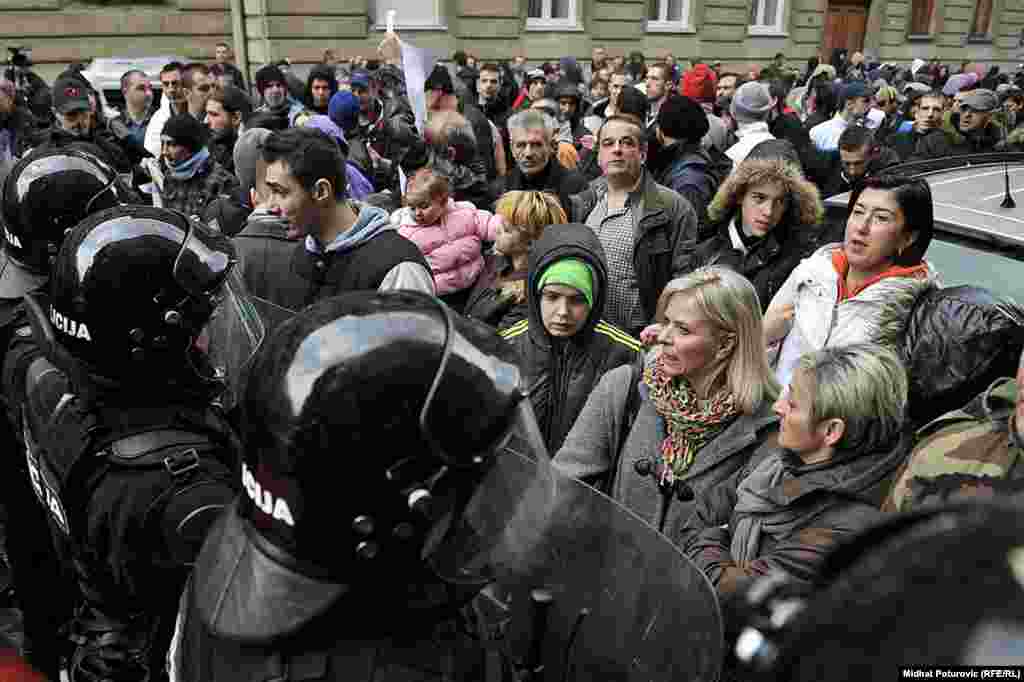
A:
x,y
369,418
941,586
47,193
132,288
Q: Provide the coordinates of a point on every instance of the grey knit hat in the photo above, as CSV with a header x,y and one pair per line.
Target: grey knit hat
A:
x,y
751,103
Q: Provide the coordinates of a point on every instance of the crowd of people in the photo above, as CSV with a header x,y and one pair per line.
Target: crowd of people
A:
x,y
255,338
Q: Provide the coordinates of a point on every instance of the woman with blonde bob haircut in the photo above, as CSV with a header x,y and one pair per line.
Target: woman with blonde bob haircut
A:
x,y
499,295
695,416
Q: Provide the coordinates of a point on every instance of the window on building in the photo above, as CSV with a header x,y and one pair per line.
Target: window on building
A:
x,y
424,14
921,16
551,14
668,15
982,18
766,16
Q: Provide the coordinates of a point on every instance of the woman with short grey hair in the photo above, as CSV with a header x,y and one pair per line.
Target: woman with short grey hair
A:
x,y
841,443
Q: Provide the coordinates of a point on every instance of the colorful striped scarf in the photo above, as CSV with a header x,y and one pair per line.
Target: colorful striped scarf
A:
x,y
690,425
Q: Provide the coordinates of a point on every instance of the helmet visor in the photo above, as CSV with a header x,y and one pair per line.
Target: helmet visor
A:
x,y
235,332
619,600
204,261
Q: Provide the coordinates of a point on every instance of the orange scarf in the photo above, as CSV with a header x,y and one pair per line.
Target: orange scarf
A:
x,y
842,267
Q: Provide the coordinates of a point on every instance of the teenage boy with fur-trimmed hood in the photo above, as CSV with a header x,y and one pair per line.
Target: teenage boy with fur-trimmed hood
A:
x,y
765,217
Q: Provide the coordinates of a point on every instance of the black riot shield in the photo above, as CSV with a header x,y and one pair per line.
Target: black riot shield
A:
x,y
235,332
578,587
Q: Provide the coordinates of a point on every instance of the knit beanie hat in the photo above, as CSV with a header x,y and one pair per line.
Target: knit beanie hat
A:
x,y
571,272
681,118
699,84
343,109
267,75
186,130
751,103
247,152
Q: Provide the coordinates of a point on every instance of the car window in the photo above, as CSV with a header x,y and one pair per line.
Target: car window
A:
x,y
961,262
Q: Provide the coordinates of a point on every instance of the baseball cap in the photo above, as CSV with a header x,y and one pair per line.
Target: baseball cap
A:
x,y
70,94
535,74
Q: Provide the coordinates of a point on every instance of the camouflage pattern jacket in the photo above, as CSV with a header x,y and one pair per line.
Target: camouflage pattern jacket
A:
x,y
970,452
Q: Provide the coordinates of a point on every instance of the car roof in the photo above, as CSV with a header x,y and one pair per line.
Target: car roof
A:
x,y
967,192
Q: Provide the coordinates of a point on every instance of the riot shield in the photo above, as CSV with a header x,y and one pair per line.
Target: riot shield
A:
x,y
235,332
578,587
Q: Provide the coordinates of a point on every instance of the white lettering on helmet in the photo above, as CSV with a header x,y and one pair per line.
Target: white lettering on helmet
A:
x,y
74,329
264,499
12,238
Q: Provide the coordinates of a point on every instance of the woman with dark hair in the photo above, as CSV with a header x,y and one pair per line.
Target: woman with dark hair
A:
x,y
864,288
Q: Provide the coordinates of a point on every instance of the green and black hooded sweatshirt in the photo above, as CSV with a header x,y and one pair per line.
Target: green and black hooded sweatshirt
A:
x,y
561,373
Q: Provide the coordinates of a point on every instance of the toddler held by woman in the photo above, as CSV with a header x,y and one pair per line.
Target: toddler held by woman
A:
x,y
449,233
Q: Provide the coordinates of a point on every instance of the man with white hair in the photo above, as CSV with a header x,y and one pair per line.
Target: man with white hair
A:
x,y
532,134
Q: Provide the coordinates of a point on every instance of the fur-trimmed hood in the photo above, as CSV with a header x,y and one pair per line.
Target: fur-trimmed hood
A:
x,y
805,208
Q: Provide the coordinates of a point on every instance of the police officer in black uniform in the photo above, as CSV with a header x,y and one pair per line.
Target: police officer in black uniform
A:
x,y
365,417
125,449
44,194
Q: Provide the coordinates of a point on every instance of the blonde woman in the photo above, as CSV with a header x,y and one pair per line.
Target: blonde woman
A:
x,y
697,414
499,296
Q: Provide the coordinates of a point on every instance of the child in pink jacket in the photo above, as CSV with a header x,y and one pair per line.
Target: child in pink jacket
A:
x,y
449,233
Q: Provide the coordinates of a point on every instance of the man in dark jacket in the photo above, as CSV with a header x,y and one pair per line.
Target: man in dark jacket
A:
x,y
320,87
226,110
264,239
859,156
231,212
385,126
564,346
533,143
76,122
972,129
927,139
649,232
344,245
681,163
192,179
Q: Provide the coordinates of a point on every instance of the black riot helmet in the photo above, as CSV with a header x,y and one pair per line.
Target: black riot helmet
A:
x,y
133,286
941,586
47,193
368,420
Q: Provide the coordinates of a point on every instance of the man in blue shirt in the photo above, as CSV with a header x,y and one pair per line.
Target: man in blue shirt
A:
x,y
138,104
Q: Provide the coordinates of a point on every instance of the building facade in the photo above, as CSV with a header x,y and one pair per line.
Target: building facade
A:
x,y
735,32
